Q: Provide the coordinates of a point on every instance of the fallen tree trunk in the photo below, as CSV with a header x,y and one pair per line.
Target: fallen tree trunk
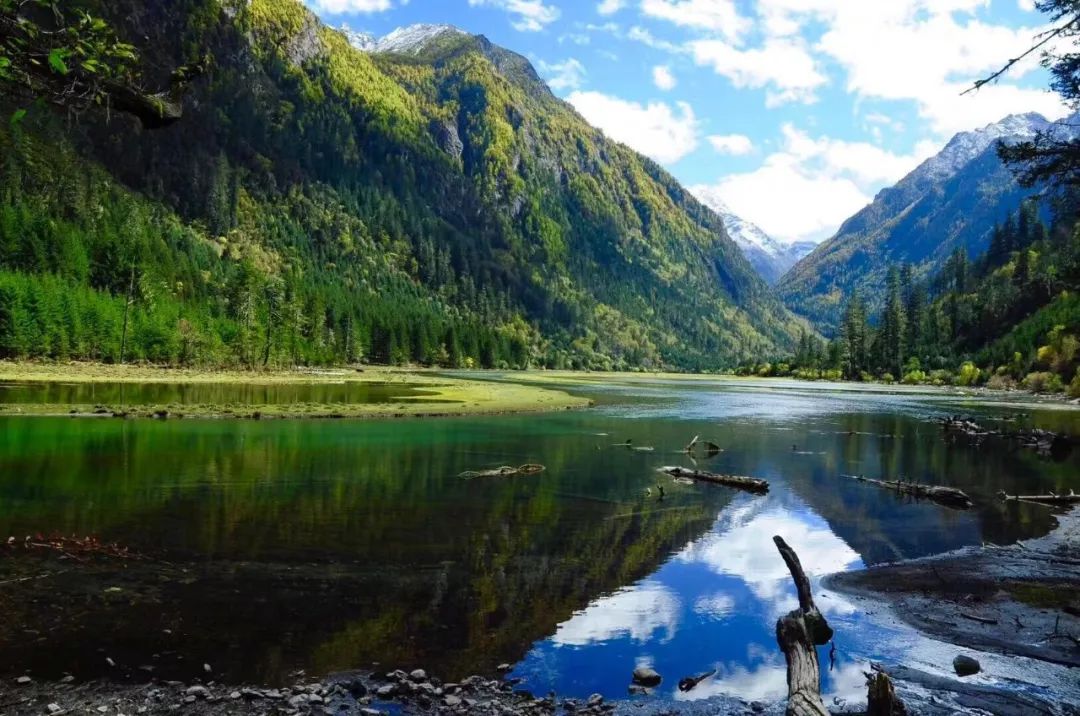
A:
x,y
947,496
798,634
1052,499
753,484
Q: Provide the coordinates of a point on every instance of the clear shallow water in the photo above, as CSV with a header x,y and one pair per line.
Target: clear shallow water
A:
x,y
116,394
328,545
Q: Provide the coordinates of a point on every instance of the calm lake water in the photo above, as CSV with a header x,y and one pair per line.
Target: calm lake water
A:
x,y
329,545
180,394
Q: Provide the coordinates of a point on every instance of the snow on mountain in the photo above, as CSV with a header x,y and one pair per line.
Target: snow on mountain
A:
x,y
966,146
769,257
404,40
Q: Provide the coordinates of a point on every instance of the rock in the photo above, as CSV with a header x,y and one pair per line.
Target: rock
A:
x,y
23,680
200,692
109,661
235,695
67,679
503,667
54,708
594,700
371,712
757,707
636,690
451,701
966,666
207,669
387,691
645,676
418,675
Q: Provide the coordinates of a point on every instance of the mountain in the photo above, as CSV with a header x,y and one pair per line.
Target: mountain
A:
x,y
412,39
769,257
952,200
424,198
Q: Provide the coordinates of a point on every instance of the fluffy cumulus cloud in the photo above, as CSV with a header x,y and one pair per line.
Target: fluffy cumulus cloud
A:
x,y
664,132
663,78
734,144
528,15
822,180
562,76
921,51
338,7
720,16
783,65
610,7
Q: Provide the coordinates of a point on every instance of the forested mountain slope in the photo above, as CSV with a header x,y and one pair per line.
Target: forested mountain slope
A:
x,y
951,201
320,203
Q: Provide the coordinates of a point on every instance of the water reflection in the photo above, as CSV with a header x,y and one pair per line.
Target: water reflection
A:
x,y
334,545
726,588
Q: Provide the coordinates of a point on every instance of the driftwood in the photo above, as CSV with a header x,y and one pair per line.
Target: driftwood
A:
x,y
753,484
798,634
689,682
504,471
1051,499
881,698
947,496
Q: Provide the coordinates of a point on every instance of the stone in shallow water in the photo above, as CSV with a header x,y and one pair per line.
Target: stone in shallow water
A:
x,y
646,677
966,666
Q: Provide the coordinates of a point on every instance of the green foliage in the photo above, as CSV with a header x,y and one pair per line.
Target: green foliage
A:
x,y
320,205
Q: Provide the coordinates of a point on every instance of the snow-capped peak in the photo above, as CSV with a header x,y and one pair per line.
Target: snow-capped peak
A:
x,y
404,40
741,231
966,146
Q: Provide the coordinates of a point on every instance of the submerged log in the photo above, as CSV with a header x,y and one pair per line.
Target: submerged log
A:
x,y
1051,499
798,634
947,496
753,484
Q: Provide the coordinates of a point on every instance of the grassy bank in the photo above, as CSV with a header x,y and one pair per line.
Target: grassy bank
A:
x,y
422,393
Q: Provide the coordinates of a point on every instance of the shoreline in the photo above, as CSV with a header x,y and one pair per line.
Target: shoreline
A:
x,y
440,395
1020,602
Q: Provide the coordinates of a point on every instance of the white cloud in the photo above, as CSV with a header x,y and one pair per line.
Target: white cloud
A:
x,y
339,7
736,144
640,34
922,51
658,130
610,7
663,78
823,182
783,65
636,612
531,15
567,75
743,552
714,15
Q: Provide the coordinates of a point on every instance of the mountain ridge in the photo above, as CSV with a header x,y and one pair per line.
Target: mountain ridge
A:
x,y
434,204
951,200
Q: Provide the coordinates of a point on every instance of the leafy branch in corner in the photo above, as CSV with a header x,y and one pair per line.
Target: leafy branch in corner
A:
x,y
72,59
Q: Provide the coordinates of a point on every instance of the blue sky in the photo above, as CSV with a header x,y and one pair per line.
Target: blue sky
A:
x,y
810,105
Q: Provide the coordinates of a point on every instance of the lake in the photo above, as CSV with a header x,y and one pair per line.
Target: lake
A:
x,y
278,546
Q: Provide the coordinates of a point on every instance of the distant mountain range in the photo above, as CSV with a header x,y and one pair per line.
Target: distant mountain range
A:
x,y
954,199
769,257
421,197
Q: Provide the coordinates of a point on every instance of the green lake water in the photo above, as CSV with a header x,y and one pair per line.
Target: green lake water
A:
x,y
278,546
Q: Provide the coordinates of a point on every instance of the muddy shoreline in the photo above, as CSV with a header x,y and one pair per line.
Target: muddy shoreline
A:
x,y
1020,602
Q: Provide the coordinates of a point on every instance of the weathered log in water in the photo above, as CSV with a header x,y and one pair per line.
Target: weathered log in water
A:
x,y
947,496
1051,499
881,699
798,634
753,484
